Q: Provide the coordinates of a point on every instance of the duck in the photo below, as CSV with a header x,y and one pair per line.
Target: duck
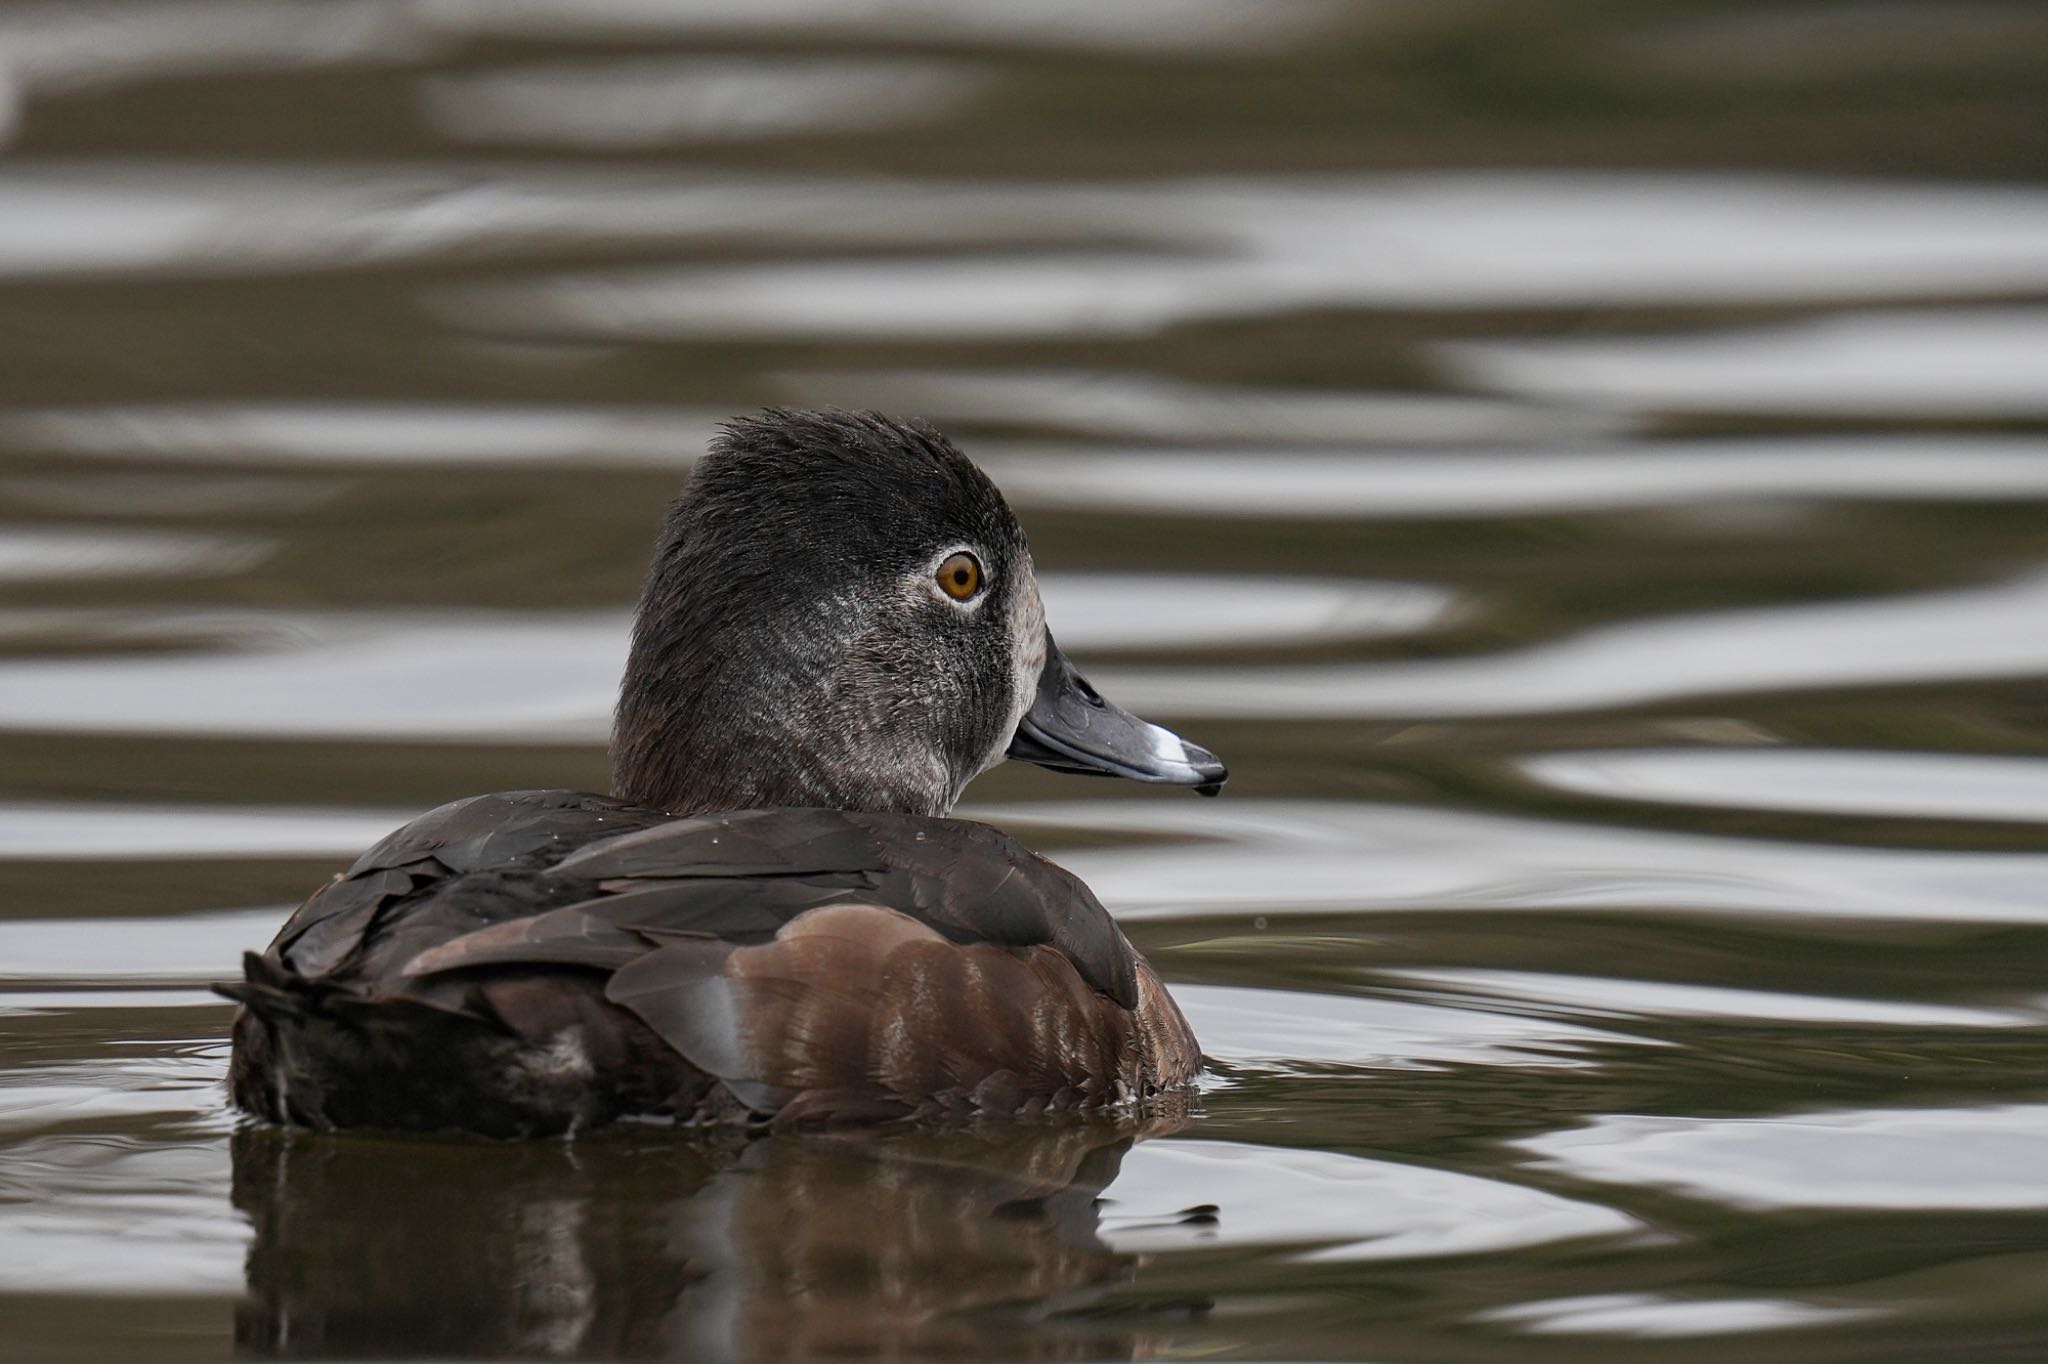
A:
x,y
773,918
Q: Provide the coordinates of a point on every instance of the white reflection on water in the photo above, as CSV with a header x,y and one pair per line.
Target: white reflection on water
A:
x,y
180,949
544,677
61,47
1657,1315
1141,26
66,998
231,219
43,554
653,101
1605,997
1277,857
96,1211
1295,1032
1191,249
1154,407
1971,633
1513,478
1986,362
1360,1209
981,299
111,1088
1986,1159
1369,483
1110,612
1426,241
103,830
371,433
670,437
1823,781
89,1217
553,676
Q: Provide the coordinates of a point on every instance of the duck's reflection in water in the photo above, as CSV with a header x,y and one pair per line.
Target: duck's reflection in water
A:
x,y
644,1245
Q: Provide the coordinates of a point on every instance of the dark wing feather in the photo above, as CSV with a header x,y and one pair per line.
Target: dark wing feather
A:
x,y
614,929
742,910
571,936
331,924
748,843
506,829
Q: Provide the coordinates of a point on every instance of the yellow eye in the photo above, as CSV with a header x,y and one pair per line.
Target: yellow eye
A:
x,y
960,576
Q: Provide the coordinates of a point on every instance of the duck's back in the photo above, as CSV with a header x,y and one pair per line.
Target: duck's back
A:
x,y
539,961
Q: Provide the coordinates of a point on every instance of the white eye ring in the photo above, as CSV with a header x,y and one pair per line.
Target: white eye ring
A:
x,y
958,578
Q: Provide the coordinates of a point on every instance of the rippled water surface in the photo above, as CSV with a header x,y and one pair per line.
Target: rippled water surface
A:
x,y
1585,465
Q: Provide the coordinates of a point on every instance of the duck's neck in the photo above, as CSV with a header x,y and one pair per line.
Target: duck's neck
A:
x,y
758,726
691,769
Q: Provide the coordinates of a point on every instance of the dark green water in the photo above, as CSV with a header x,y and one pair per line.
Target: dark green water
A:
x,y
1583,464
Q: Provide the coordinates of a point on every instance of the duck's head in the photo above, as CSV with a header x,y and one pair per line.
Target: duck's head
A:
x,y
842,612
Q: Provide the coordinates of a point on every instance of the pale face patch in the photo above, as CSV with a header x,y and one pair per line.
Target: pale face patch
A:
x,y
1027,653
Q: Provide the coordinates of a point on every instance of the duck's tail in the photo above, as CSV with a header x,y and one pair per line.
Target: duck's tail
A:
x,y
327,1054
271,990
